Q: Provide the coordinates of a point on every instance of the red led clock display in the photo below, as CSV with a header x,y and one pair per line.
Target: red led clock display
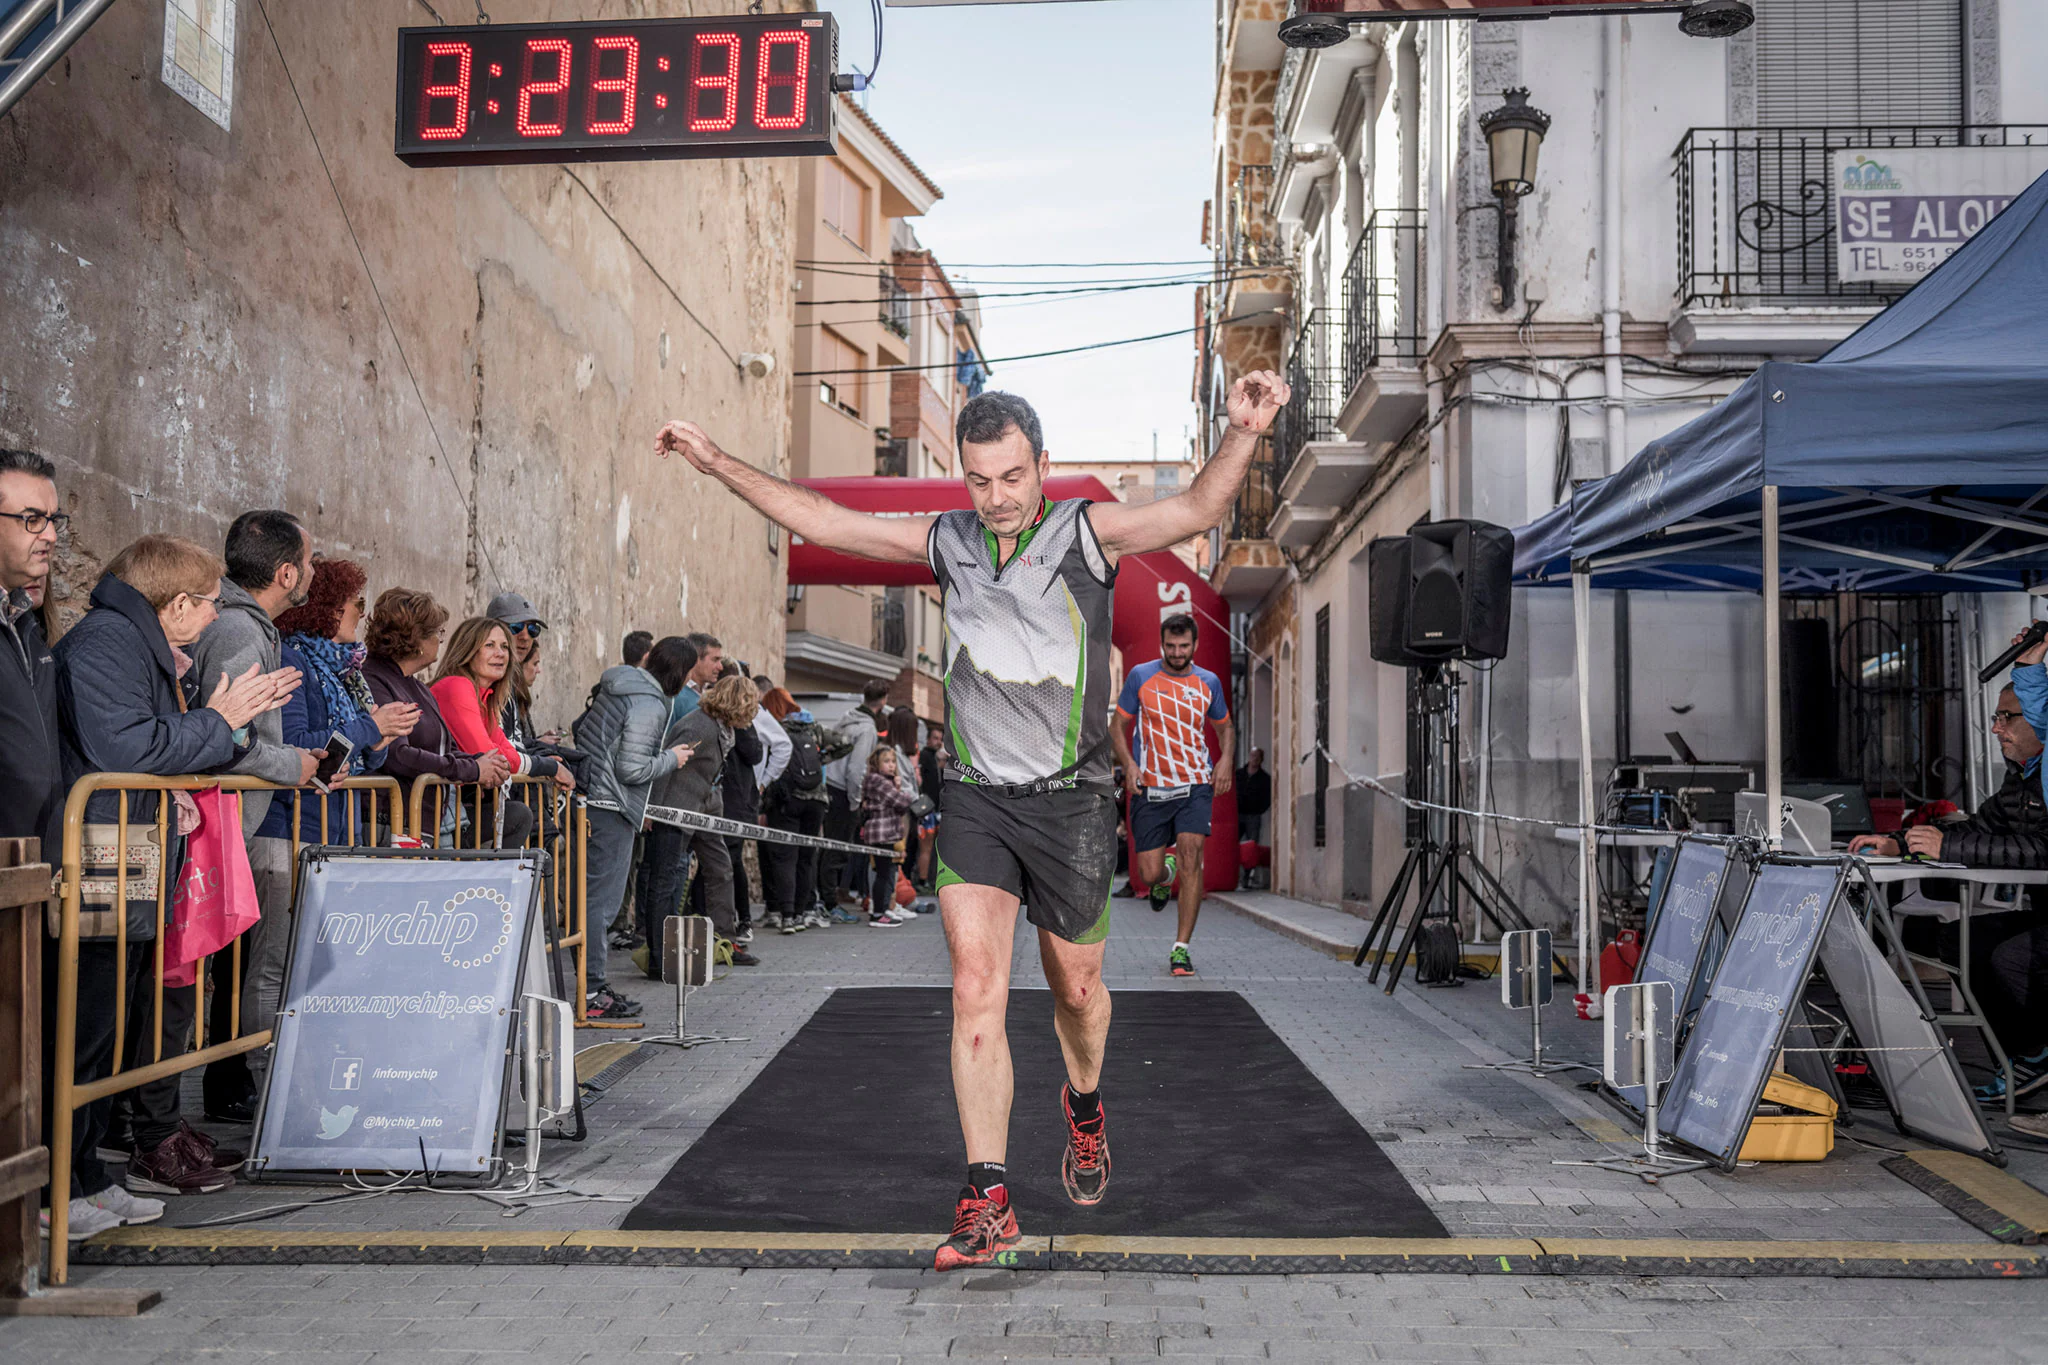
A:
x,y
744,85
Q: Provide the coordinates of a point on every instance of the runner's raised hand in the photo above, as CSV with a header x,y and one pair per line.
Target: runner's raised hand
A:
x,y
1256,399
688,440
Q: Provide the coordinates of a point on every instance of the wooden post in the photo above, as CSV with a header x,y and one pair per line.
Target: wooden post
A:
x,y
24,1160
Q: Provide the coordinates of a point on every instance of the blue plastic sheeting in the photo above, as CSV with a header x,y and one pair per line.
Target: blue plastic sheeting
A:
x,y
1899,453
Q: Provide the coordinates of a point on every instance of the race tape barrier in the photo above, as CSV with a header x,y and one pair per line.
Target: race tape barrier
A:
x,y
740,829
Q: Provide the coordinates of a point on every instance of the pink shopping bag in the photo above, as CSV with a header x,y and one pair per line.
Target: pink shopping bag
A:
x,y
216,897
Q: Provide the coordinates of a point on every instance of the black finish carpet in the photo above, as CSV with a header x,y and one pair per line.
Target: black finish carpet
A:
x,y
1216,1129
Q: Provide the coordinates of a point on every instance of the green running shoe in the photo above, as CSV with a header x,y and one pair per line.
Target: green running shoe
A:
x,y
1162,891
1179,963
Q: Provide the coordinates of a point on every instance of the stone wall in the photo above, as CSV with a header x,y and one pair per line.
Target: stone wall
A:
x,y
453,376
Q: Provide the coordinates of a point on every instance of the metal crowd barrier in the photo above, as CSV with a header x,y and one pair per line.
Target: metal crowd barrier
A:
x,y
466,815
363,799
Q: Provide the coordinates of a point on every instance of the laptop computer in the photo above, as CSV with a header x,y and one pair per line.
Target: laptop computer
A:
x,y
1848,805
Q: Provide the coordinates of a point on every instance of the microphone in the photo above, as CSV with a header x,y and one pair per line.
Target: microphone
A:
x,y
2033,635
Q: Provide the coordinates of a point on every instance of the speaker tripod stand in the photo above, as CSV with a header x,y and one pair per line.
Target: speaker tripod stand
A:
x,y
1439,862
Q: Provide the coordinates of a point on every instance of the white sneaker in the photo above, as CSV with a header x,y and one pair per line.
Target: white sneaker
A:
x,y
815,919
129,1208
788,924
903,911
86,1219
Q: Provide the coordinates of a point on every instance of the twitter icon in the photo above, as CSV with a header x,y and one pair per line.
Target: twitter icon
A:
x,y
333,1125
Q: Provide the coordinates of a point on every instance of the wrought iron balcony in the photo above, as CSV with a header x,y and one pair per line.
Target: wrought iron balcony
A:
x,y
1756,210
890,635
895,304
1253,509
1315,375
1252,236
1382,293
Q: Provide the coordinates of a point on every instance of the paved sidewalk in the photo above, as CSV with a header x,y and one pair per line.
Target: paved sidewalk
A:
x,y
478,1315
1477,1145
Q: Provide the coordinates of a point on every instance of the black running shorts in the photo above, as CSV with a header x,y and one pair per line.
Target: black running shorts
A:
x,y
1055,851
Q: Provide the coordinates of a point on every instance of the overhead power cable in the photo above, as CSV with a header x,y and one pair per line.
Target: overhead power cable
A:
x,y
990,364
1077,290
853,271
1036,265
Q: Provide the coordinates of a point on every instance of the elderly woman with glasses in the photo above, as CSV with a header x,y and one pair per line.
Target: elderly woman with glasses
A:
x,y
128,704
320,640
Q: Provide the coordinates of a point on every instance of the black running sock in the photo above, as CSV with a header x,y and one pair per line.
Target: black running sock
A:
x,y
986,1176
1086,1107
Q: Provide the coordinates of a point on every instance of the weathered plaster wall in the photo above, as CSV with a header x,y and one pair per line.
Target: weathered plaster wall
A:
x,y
191,333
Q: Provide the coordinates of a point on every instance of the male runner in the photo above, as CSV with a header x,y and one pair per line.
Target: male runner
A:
x,y
1027,813
1171,783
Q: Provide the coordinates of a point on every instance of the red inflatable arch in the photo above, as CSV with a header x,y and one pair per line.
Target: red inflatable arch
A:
x,y
1148,588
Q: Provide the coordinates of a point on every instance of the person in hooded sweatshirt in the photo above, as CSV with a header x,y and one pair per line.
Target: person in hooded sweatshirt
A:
x,y
270,571
620,734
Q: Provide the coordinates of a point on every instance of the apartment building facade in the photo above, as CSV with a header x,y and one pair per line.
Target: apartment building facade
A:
x,y
853,338
1449,359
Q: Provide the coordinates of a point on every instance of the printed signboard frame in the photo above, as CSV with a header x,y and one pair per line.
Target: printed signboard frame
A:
x,y
1725,1157
262,1165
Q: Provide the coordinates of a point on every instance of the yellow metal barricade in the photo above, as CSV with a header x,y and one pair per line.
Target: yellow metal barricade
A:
x,y
468,815
371,805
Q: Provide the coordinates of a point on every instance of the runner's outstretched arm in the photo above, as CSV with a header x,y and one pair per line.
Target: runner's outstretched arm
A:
x,y
818,519
1139,528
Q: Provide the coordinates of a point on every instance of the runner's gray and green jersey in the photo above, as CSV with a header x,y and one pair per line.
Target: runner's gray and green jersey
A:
x,y
1027,646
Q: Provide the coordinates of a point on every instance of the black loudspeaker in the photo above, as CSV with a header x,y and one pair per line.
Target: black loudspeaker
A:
x,y
1441,592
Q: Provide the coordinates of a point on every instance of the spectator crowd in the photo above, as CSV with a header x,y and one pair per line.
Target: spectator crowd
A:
x,y
269,660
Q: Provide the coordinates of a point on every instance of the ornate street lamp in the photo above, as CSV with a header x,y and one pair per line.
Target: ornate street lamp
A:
x,y
1514,134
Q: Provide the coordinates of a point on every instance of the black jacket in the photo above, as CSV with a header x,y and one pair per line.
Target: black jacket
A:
x,y
736,777
32,785
118,698
2009,830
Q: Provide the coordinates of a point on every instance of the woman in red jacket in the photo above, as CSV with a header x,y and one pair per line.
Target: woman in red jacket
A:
x,y
471,689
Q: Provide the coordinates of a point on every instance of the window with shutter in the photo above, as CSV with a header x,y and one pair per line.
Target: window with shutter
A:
x,y
844,377
1833,62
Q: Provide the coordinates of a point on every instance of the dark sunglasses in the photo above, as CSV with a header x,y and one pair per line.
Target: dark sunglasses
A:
x,y
527,628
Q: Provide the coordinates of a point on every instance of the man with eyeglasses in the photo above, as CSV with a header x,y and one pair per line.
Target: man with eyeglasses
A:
x,y
2010,829
31,778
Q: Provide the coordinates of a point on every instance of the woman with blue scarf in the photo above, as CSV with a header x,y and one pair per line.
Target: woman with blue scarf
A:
x,y
320,641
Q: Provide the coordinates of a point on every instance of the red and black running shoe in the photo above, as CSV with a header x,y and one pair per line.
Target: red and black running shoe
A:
x,y
983,1226
1084,1170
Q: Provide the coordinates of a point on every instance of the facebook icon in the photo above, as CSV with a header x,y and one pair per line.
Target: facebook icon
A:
x,y
348,1074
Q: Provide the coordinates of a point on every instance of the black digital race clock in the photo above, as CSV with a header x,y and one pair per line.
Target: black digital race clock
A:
x,y
640,89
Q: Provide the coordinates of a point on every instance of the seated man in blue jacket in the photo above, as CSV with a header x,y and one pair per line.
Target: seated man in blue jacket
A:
x,y
2016,995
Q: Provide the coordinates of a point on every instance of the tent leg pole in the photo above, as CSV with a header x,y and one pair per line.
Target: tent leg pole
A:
x,y
1774,719
1582,639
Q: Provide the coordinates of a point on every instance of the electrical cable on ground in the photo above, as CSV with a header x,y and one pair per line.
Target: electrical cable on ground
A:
x,y
376,292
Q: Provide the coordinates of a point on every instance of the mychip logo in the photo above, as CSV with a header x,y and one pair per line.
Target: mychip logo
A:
x,y
1866,174
472,927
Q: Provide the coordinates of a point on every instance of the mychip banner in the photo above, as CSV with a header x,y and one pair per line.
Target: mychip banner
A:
x,y
1901,211
393,1046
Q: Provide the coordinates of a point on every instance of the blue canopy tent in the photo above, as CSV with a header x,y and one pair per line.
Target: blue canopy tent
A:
x,y
1913,457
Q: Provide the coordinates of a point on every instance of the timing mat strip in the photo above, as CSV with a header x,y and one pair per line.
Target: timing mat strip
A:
x,y
160,1246
1983,1196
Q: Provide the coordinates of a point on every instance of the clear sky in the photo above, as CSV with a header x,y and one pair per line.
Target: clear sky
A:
x,y
1071,131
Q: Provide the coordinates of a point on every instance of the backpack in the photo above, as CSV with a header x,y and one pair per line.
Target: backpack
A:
x,y
804,775
843,735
